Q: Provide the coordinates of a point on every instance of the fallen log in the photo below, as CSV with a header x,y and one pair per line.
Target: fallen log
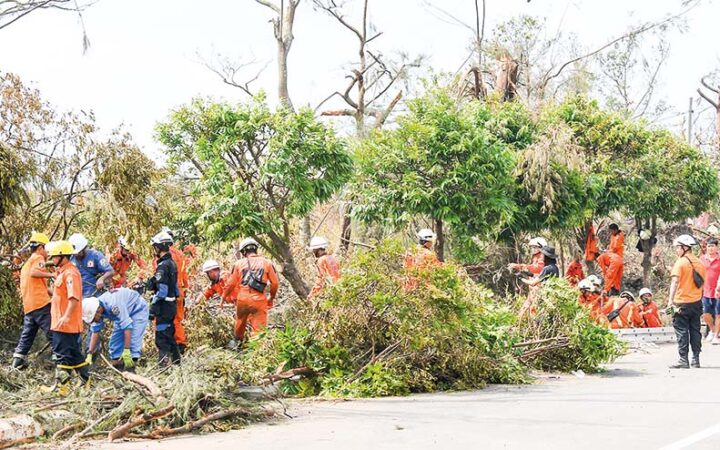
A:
x,y
270,379
62,432
160,433
123,430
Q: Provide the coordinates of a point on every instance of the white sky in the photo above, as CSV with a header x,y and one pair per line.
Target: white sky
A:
x,y
143,59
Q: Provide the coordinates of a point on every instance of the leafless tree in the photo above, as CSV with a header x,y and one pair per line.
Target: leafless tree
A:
x,y
283,22
714,103
13,10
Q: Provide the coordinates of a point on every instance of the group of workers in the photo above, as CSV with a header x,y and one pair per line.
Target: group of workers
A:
x,y
694,290
88,288
67,284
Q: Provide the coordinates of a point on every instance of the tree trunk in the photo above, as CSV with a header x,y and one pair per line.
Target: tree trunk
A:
x,y
290,270
440,240
346,233
284,37
647,250
306,231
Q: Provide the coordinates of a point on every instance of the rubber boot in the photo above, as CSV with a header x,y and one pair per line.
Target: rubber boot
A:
x,y
181,348
681,364
695,361
19,363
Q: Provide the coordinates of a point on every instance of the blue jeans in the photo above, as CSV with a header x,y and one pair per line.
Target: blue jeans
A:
x,y
117,338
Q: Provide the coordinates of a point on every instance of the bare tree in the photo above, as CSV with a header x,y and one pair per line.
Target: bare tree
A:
x,y
283,23
13,10
366,94
715,103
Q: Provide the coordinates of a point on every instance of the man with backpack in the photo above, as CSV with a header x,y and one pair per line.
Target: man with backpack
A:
x,y
685,301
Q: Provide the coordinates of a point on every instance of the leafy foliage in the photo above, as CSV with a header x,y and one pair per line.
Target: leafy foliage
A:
x,y
559,314
255,170
437,163
10,303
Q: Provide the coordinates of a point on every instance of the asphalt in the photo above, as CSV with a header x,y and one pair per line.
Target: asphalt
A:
x,y
638,403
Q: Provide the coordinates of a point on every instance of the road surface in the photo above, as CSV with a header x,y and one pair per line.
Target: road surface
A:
x,y
638,403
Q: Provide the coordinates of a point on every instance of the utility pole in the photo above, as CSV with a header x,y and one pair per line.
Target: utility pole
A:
x,y
690,121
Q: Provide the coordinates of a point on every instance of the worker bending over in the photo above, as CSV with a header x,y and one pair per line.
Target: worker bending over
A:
x,y
218,280
129,313
611,265
328,268
622,312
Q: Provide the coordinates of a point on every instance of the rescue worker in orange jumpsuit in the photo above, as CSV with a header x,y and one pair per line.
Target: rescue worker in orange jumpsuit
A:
x,y
649,309
591,298
251,276
537,264
218,280
190,252
122,260
574,272
327,265
629,313
550,270
591,245
182,282
617,240
423,257
611,265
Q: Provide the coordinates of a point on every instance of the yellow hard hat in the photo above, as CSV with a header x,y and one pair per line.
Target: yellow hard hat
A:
x,y
60,248
39,238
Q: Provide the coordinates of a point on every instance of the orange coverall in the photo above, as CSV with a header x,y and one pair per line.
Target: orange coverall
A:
x,y
182,281
121,264
591,245
629,315
218,287
650,315
575,273
251,305
611,265
422,258
328,270
617,244
536,266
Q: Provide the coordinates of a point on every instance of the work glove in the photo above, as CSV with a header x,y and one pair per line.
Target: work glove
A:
x,y
671,310
127,359
89,358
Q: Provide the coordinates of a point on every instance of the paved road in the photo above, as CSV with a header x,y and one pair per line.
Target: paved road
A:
x,y
638,404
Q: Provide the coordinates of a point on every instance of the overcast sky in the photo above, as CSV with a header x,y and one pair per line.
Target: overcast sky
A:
x,y
144,61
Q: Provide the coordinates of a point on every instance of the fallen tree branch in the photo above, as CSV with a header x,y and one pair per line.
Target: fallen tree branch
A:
x,y
159,433
148,384
9,444
53,405
539,341
123,430
270,379
87,430
540,350
67,429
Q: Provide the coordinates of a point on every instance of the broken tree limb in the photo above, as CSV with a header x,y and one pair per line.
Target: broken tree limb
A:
x,y
148,384
269,379
123,430
539,341
60,433
159,433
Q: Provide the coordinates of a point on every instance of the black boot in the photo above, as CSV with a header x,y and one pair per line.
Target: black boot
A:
x,y
681,364
695,361
19,363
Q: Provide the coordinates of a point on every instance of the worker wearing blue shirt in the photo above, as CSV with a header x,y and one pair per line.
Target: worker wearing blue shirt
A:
x,y
129,313
95,270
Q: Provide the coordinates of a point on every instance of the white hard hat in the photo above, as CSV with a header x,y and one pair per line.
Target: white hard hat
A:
x,y
318,242
78,241
538,242
90,306
247,243
594,279
585,285
123,242
162,237
684,239
644,291
426,234
209,265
